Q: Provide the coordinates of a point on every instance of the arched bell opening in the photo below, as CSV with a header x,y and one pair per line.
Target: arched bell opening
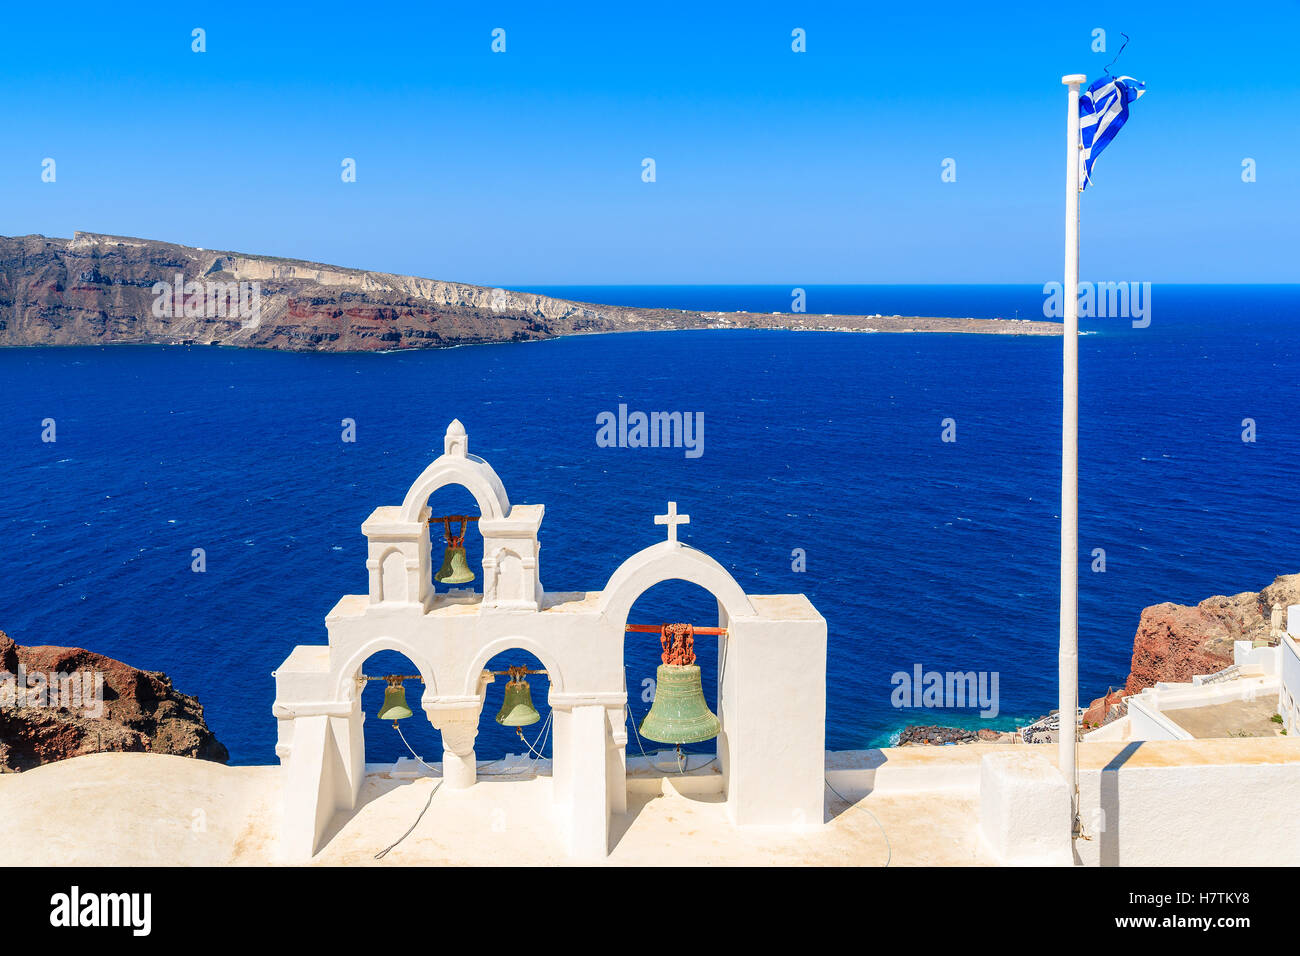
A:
x,y
516,703
667,735
383,702
455,543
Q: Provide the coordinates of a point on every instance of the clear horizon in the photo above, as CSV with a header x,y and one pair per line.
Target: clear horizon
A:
x,y
525,167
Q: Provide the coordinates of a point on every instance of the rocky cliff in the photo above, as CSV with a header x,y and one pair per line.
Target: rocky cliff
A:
x,y
99,289
1175,642
60,702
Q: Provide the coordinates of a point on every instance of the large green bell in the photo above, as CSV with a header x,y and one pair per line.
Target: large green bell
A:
x,y
394,707
679,714
455,567
517,710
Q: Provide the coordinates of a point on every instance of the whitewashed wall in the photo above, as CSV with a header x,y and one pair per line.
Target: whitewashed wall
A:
x,y
1289,694
1230,813
1159,803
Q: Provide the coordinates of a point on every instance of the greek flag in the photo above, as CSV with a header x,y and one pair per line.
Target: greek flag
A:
x,y
1103,109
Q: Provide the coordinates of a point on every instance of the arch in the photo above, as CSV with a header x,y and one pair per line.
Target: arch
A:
x,y
344,674
503,644
471,472
393,551
665,562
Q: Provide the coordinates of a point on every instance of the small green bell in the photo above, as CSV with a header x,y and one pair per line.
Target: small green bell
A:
x,y
455,567
517,709
394,707
679,714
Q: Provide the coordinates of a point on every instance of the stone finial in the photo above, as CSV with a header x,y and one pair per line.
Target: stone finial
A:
x,y
455,442
1278,610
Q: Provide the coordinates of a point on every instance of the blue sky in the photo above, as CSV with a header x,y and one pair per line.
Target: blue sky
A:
x,y
525,167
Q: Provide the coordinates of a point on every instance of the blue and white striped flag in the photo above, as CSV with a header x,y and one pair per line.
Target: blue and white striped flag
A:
x,y
1103,110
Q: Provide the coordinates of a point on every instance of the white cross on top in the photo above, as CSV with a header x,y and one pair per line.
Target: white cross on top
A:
x,y
672,519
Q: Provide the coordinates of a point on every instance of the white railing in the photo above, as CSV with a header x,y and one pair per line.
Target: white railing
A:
x,y
1231,672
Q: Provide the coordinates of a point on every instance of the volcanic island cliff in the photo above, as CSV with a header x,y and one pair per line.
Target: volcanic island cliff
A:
x,y
61,702
98,289
1174,642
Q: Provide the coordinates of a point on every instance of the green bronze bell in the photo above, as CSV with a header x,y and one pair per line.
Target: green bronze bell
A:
x,y
517,710
455,567
394,707
679,714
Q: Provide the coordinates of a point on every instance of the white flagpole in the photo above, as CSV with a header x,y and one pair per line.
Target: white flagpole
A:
x,y
1069,652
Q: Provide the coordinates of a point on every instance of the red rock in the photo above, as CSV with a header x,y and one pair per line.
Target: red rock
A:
x,y
142,712
1174,643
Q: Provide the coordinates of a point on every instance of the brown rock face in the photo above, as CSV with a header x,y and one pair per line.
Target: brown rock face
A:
x,y
116,707
97,289
1175,642
1284,590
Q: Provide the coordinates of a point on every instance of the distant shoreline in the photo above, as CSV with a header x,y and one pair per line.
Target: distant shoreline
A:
x,y
554,338
97,289
868,325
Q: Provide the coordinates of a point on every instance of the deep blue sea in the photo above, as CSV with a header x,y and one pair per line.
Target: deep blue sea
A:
x,y
917,551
